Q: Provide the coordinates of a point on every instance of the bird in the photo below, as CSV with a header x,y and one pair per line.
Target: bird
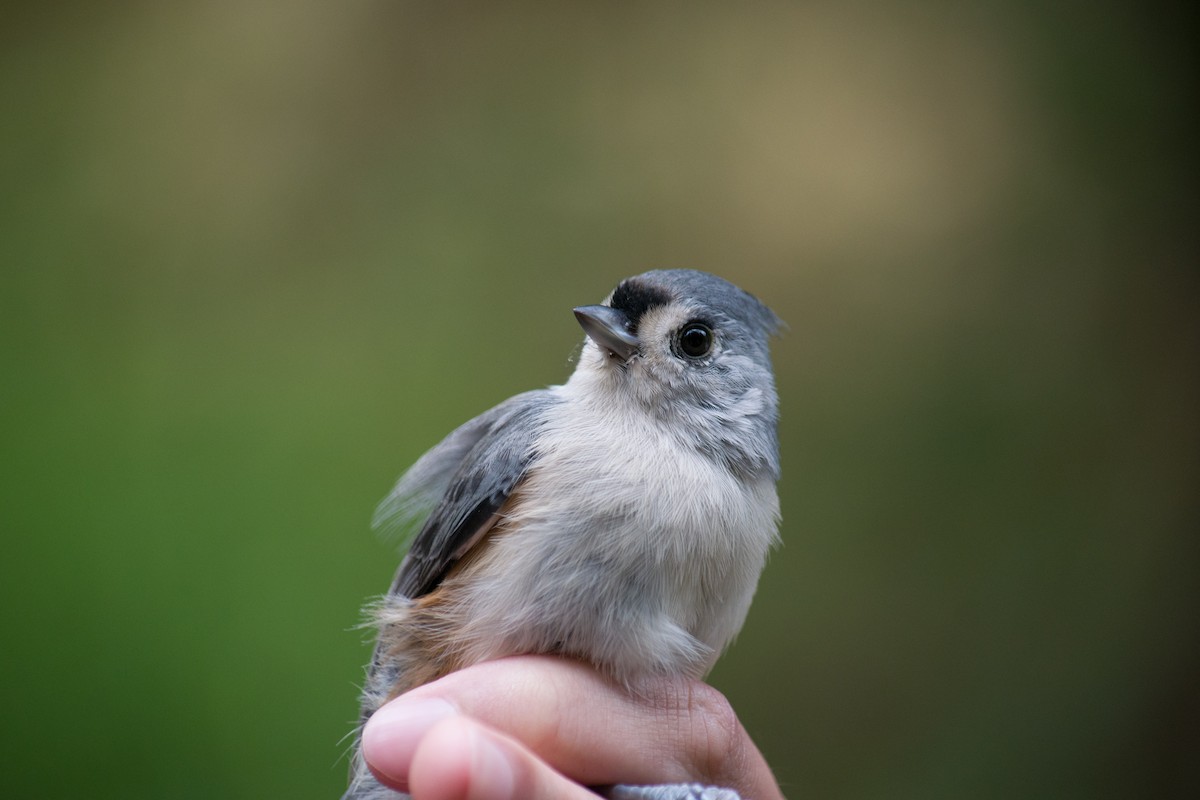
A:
x,y
622,518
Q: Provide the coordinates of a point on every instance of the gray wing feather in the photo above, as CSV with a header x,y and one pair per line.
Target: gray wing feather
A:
x,y
465,478
423,484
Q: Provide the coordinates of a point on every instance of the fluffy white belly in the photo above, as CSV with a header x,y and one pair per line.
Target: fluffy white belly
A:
x,y
645,562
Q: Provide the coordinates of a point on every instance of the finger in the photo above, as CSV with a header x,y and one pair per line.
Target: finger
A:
x,y
393,733
425,748
460,759
667,730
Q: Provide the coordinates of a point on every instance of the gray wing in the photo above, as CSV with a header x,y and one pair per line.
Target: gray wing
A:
x,y
423,484
465,478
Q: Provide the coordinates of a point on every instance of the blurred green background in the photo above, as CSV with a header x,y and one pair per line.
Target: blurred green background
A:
x,y
257,257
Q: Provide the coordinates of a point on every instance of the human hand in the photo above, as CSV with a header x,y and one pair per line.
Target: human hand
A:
x,y
543,728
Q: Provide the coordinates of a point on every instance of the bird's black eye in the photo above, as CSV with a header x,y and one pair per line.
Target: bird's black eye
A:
x,y
695,340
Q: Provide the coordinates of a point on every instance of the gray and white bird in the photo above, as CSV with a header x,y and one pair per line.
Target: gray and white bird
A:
x,y
622,518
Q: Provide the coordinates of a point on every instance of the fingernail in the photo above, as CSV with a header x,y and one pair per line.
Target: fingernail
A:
x,y
391,735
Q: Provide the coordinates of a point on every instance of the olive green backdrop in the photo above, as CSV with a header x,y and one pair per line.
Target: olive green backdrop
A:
x,y
258,256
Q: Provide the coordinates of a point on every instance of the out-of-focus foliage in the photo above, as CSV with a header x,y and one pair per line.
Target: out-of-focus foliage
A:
x,y
258,256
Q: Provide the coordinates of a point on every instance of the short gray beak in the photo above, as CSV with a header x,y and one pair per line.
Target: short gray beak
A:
x,y
609,328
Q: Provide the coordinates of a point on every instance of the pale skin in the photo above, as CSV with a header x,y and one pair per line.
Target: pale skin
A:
x,y
544,728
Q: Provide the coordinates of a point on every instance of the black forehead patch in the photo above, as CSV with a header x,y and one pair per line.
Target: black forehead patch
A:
x,y
636,298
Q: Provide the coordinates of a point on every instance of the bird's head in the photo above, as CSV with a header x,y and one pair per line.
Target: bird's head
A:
x,y
691,349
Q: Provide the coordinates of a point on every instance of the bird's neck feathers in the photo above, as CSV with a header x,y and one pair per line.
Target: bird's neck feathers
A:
x,y
736,428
